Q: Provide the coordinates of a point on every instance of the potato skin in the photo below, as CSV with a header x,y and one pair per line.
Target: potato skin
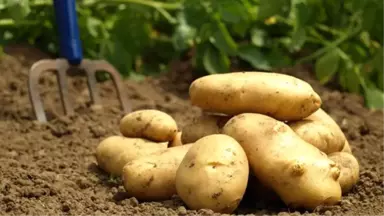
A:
x,y
203,125
280,96
176,140
150,124
213,174
349,175
152,177
347,147
298,172
320,130
114,152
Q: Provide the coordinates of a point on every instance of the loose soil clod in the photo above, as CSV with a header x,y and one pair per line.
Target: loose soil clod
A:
x,y
50,168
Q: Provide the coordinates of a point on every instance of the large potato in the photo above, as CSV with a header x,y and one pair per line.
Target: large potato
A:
x,y
213,174
152,177
114,152
320,130
203,125
349,175
298,172
150,124
280,96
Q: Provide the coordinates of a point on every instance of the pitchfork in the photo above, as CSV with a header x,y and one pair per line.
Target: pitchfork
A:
x,y
72,57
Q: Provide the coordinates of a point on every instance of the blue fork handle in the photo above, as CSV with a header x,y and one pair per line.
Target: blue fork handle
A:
x,y
68,29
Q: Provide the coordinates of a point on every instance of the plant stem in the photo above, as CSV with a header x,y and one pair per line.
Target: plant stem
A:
x,y
329,46
38,3
11,22
161,7
154,4
166,15
329,30
343,55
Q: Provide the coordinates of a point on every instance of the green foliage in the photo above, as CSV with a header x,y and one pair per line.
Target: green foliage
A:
x,y
344,39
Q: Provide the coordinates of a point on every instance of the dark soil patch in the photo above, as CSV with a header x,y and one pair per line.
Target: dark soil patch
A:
x,y
50,168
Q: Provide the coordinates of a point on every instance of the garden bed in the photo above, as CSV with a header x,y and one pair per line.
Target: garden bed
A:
x,y
50,168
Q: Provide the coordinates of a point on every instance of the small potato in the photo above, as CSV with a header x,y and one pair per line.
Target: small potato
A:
x,y
152,177
176,140
347,147
302,175
150,124
280,96
213,174
202,126
320,130
114,152
349,175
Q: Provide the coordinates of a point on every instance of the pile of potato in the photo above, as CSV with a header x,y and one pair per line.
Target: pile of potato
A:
x,y
258,130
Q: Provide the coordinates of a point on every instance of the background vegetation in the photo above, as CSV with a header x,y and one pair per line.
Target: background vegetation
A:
x,y
343,39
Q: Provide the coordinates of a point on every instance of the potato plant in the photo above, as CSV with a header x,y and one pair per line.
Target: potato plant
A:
x,y
342,39
260,133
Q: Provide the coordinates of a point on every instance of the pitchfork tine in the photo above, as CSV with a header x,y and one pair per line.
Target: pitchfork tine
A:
x,y
60,67
91,67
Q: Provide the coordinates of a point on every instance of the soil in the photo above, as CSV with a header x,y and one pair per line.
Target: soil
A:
x,y
50,168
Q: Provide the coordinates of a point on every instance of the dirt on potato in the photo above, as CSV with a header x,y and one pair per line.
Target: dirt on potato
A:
x,y
50,168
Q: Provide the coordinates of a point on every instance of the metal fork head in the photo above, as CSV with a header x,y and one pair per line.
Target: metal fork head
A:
x,y
61,66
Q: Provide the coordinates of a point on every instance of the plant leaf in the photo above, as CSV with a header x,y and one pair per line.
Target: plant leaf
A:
x,y
380,80
302,14
258,36
374,97
241,29
93,25
215,61
378,65
316,11
183,36
378,60
205,31
195,13
119,57
18,10
223,40
133,29
254,56
327,65
278,58
348,77
269,8
232,11
369,14
299,37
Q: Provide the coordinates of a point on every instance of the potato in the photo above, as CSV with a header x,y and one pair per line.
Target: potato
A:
x,y
213,174
320,130
349,175
176,140
152,177
202,126
280,96
114,152
347,147
298,172
151,124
